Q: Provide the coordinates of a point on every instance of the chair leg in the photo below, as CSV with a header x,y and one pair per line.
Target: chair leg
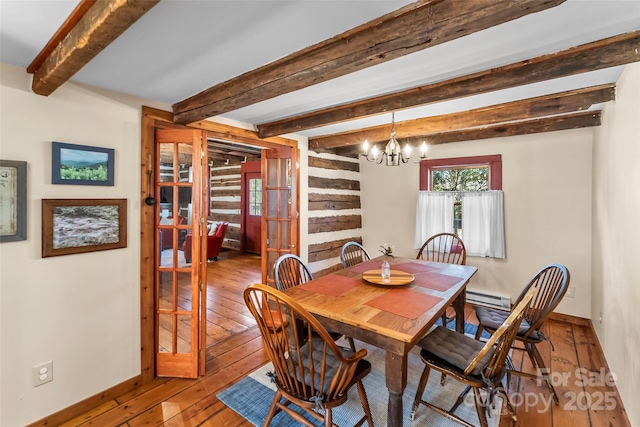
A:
x,y
328,418
351,344
480,408
505,400
460,399
544,371
479,332
421,386
365,403
510,368
529,348
272,409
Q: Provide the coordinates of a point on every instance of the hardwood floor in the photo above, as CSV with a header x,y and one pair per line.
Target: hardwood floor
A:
x,y
236,350
227,313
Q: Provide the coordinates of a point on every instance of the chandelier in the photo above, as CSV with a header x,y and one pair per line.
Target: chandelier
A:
x,y
392,153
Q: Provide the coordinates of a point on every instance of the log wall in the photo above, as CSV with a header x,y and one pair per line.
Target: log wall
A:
x,y
335,214
225,202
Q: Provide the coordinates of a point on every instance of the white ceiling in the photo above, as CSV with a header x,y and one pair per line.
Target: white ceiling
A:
x,y
181,47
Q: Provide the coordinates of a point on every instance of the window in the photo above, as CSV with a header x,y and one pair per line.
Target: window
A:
x,y
459,179
255,197
454,196
461,174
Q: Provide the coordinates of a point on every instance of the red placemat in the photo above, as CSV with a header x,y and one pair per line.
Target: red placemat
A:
x,y
332,285
365,266
412,267
404,302
439,282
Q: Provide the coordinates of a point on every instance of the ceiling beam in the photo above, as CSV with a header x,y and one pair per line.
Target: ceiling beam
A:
x,y
62,32
546,105
409,29
98,26
605,53
524,127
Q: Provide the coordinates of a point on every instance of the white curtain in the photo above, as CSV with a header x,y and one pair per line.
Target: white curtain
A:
x,y
483,223
434,214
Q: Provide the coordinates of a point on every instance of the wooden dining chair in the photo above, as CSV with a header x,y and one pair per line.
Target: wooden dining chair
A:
x,y
353,253
314,373
447,248
550,284
478,365
443,247
290,271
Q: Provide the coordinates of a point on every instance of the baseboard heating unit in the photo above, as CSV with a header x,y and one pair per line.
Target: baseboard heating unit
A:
x,y
494,301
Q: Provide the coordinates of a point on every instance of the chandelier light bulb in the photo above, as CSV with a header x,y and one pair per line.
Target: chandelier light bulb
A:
x,y
374,152
365,146
423,148
407,150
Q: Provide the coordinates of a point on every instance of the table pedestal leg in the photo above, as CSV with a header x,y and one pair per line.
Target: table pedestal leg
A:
x,y
396,378
458,306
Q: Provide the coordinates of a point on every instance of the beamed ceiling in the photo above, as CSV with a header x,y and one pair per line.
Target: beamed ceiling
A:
x,y
452,70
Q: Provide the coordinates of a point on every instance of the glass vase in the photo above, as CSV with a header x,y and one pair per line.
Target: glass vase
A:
x,y
385,270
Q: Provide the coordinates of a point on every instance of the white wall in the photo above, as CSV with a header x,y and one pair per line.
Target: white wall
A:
x,y
615,299
303,143
547,186
80,311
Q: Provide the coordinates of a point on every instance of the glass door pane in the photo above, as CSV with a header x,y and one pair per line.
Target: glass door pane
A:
x,y
178,262
280,206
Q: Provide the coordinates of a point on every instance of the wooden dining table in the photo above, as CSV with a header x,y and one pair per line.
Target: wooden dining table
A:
x,y
391,316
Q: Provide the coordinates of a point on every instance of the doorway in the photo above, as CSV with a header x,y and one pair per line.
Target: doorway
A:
x,y
227,197
236,265
280,183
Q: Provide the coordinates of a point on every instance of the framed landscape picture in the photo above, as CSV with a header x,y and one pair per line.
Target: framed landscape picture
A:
x,y
81,164
72,226
13,201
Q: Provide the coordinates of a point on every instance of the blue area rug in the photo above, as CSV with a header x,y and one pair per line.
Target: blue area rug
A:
x,y
469,328
252,396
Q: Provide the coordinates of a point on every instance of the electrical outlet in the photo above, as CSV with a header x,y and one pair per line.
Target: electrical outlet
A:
x,y
571,292
42,374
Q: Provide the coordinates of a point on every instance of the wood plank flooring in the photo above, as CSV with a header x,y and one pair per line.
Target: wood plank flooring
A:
x,y
227,278
235,349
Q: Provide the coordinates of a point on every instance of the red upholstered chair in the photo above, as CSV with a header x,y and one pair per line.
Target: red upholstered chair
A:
x,y
214,243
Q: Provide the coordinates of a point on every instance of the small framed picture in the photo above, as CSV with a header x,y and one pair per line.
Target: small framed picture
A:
x,y
72,226
13,201
81,164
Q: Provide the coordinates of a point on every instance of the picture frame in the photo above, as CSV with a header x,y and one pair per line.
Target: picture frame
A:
x,y
13,201
72,226
75,164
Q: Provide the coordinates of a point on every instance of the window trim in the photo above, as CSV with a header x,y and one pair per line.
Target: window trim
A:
x,y
494,162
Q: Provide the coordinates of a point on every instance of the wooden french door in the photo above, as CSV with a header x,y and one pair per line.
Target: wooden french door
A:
x,y
180,267
280,207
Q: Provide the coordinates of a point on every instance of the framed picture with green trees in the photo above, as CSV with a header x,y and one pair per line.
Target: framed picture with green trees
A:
x,y
81,164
